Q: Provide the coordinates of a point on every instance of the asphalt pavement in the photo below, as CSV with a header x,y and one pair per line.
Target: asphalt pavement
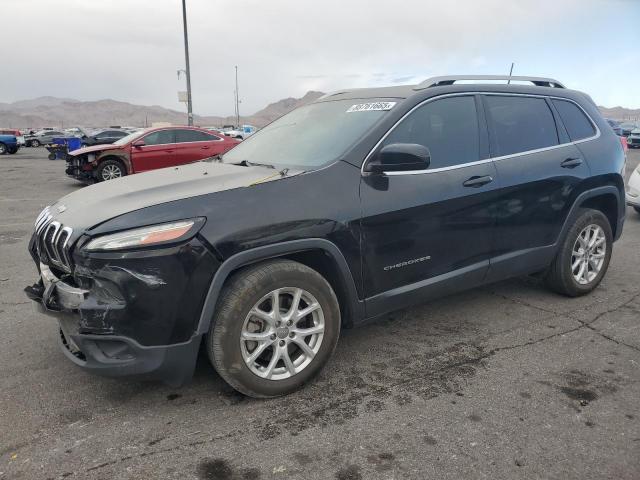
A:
x,y
507,381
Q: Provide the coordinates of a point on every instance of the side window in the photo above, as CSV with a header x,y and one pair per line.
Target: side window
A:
x,y
518,124
575,121
447,127
183,136
161,137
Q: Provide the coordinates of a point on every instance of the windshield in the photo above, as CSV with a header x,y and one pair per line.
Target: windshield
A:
x,y
129,138
310,136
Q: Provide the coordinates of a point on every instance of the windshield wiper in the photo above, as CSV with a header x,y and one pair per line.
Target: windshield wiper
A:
x,y
247,163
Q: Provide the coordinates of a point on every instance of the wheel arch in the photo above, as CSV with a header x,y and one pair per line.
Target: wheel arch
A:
x,y
605,199
320,254
120,158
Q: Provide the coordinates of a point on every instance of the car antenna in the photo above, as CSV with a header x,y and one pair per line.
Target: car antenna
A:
x,y
510,73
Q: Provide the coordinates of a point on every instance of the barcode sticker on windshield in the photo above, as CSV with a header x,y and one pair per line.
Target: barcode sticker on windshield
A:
x,y
368,107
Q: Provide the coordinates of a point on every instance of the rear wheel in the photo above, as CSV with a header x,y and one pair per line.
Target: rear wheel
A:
x,y
12,150
276,325
584,255
110,170
3,149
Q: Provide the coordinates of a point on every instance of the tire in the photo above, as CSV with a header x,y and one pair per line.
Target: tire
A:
x,y
251,289
35,143
108,170
12,150
3,149
561,277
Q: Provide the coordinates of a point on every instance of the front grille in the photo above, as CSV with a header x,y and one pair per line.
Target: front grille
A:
x,y
52,241
635,141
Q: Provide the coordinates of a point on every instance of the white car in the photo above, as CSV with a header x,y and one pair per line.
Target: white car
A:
x,y
633,191
242,132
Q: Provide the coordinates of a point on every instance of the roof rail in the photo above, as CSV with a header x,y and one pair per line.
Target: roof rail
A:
x,y
451,79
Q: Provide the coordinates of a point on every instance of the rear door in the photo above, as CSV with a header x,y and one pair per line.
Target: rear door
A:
x,y
158,151
539,169
429,232
194,145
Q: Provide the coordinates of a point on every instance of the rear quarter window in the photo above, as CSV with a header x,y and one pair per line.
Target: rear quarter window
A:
x,y
575,121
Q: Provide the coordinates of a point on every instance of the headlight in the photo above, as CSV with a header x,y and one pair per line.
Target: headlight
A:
x,y
145,236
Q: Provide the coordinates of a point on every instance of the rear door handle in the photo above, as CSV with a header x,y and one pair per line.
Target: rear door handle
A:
x,y
571,163
476,182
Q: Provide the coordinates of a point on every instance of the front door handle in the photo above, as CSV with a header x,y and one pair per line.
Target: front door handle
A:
x,y
476,182
206,147
571,163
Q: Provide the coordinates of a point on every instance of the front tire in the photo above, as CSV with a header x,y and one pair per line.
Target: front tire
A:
x,y
276,325
3,149
584,255
110,170
35,143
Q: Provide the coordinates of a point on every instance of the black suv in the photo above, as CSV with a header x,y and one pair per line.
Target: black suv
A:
x,y
360,203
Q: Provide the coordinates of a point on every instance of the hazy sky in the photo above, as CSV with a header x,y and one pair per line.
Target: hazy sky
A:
x,y
131,49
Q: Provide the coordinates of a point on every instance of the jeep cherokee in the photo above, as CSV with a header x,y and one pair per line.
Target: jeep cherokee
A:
x,y
360,203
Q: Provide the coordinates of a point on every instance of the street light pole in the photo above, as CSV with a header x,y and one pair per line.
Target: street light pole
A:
x,y
237,101
186,58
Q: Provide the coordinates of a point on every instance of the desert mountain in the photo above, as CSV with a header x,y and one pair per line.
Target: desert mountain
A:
x,y
66,112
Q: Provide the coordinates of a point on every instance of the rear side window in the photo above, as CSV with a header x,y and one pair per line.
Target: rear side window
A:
x,y
519,124
575,121
183,136
160,137
447,127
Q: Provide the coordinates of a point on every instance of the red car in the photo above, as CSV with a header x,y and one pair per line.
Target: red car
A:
x,y
149,149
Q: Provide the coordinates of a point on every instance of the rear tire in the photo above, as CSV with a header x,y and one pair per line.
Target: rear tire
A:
x,y
110,170
13,150
246,309
584,255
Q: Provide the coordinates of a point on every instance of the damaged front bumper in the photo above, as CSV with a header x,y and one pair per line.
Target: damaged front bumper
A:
x,y
120,317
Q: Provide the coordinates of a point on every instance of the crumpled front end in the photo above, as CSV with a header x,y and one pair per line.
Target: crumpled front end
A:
x,y
128,312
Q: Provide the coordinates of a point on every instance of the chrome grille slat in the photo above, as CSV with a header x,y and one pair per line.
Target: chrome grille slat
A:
x,y
53,241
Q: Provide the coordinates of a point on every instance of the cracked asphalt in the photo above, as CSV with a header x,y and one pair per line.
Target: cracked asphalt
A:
x,y
504,382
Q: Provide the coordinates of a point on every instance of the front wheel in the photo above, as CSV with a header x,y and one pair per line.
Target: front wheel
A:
x,y
584,255
35,143
12,150
110,170
3,149
276,325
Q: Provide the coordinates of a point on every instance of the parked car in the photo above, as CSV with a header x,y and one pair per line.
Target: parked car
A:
x,y
615,125
633,139
345,209
16,133
44,137
241,133
8,144
146,150
633,190
627,128
104,137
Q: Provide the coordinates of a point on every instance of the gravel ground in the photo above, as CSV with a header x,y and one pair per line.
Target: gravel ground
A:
x,y
507,381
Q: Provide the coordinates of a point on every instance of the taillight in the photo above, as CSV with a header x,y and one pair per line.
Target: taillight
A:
x,y
625,147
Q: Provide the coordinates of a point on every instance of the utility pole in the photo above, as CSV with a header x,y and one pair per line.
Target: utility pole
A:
x,y
237,101
186,59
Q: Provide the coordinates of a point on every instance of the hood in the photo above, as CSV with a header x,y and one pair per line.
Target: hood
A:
x,y
90,206
96,148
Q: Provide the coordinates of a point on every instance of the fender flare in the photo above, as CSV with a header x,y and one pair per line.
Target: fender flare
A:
x,y
355,307
580,199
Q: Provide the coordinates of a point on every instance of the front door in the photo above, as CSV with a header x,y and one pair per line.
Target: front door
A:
x,y
430,232
158,151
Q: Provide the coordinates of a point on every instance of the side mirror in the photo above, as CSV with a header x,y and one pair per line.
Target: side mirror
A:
x,y
138,143
398,157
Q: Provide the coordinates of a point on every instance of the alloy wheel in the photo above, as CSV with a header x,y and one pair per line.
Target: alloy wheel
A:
x,y
282,333
588,254
109,172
